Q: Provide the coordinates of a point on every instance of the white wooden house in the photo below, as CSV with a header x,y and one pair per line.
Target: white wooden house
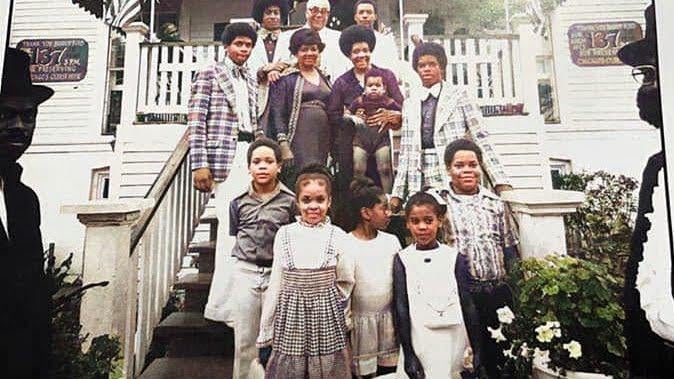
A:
x,y
138,237
599,125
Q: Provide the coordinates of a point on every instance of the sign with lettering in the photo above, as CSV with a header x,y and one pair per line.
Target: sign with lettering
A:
x,y
56,60
597,44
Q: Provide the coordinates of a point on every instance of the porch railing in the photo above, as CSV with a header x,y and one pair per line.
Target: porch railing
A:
x,y
166,72
488,68
138,247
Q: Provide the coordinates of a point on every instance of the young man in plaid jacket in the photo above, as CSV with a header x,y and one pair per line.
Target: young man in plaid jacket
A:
x,y
432,118
222,118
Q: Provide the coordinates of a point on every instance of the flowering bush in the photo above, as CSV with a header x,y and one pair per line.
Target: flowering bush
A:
x,y
601,229
565,317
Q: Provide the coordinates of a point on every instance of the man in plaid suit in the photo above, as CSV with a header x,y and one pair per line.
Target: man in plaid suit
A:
x,y
433,117
222,118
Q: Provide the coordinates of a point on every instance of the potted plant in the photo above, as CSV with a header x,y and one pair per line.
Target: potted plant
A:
x,y
566,320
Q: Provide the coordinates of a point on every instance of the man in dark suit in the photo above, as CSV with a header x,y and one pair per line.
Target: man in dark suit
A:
x,y
20,240
648,295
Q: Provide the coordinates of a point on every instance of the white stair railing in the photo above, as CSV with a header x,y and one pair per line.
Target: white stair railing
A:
x,y
137,245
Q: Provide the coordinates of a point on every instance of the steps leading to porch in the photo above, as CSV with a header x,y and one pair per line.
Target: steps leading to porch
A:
x,y
191,346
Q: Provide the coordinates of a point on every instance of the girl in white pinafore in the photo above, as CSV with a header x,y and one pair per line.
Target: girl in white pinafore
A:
x,y
430,326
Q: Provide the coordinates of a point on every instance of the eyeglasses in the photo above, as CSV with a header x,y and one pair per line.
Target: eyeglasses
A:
x,y
26,116
645,74
315,11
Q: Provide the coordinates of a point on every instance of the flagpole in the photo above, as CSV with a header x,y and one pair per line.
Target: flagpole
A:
x,y
506,5
153,36
402,32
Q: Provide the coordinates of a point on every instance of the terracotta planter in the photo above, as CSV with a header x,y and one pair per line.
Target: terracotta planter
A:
x,y
543,372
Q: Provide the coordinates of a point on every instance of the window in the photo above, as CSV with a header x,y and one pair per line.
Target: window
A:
x,y
115,85
547,93
558,168
100,183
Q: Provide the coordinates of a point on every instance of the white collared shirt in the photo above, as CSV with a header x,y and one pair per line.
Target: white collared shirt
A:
x,y
3,209
241,95
434,90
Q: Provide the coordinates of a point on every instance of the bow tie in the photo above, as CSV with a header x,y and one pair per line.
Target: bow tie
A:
x,y
264,33
239,71
430,92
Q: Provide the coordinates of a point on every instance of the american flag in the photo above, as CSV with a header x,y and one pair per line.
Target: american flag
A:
x,y
121,12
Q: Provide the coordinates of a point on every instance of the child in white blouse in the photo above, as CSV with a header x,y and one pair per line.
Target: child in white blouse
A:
x,y
373,338
303,327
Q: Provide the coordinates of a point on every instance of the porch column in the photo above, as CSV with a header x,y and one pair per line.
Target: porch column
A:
x,y
528,80
136,32
414,22
540,214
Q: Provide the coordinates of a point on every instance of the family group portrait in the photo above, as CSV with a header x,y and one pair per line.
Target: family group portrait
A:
x,y
319,189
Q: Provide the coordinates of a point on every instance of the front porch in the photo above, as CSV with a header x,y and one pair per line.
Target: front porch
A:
x,y
142,244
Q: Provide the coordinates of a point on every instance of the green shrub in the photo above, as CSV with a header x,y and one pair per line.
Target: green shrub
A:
x,y
566,312
102,358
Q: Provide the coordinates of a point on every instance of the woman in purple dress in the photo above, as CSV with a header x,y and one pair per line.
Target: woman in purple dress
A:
x,y
298,101
357,43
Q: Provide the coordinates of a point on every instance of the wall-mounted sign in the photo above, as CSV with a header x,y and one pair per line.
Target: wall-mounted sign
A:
x,y
56,60
597,44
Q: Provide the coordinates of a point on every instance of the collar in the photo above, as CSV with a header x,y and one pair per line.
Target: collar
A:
x,y
433,91
319,225
264,33
323,32
481,192
280,187
234,69
10,172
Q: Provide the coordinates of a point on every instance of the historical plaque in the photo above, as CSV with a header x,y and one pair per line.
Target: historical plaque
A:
x,y
597,43
56,60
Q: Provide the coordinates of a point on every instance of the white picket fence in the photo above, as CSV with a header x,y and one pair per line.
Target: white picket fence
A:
x,y
166,75
487,68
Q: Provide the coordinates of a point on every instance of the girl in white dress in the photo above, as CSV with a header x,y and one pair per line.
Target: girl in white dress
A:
x,y
373,340
427,311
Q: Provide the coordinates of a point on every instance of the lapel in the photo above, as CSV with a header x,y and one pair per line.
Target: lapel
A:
x,y
225,80
251,82
446,106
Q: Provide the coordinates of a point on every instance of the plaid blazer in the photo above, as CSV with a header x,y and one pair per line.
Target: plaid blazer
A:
x,y
456,116
213,121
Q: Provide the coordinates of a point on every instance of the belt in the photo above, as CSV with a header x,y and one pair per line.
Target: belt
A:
x,y
487,286
245,136
248,266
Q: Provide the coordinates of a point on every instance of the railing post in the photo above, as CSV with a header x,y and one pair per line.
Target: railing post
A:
x,y
414,22
540,215
526,77
107,247
135,34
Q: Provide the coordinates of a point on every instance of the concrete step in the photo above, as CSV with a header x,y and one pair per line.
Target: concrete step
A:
x,y
206,259
196,287
188,334
192,368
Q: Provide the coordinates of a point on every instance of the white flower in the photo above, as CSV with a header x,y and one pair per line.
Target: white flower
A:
x,y
524,350
505,315
574,349
541,357
508,353
544,333
548,331
496,334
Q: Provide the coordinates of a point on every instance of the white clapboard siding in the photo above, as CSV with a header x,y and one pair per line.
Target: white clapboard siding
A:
x,y
142,151
594,98
518,142
76,107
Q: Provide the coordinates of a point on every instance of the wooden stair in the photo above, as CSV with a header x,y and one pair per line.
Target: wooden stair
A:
x,y
188,345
